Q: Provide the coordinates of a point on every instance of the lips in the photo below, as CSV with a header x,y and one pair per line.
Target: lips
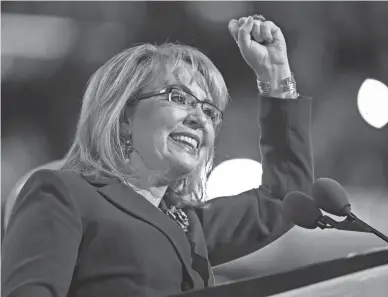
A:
x,y
189,138
190,142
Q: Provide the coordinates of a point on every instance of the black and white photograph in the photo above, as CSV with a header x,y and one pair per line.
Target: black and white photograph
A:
x,y
194,148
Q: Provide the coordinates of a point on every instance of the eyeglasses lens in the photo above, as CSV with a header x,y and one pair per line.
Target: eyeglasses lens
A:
x,y
188,101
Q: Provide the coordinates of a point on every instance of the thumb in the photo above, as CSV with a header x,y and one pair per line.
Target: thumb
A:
x,y
244,34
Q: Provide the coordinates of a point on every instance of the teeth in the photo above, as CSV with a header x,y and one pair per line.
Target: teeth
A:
x,y
193,142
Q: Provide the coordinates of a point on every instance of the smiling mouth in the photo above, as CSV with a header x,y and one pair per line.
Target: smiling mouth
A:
x,y
188,145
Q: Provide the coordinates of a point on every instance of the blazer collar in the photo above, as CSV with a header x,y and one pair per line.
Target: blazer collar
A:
x,y
129,201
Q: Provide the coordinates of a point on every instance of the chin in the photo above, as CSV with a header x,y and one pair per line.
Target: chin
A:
x,y
183,161
182,167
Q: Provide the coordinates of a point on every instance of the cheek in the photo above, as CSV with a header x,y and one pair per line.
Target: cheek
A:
x,y
208,148
209,136
160,117
151,127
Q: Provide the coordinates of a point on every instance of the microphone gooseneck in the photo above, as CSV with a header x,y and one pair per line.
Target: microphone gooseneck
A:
x,y
352,217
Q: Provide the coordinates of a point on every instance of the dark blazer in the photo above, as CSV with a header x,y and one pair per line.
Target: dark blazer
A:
x,y
70,235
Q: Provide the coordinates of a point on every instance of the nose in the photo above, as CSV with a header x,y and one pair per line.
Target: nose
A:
x,y
196,119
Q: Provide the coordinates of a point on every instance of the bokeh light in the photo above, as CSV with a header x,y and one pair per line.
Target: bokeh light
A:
x,y
233,177
373,102
38,36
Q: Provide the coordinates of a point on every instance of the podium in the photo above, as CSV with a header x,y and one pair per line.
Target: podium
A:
x,y
362,275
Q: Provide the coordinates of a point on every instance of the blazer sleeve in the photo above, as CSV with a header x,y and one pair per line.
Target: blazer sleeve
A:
x,y
235,226
40,246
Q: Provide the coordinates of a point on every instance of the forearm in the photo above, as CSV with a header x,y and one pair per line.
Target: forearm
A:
x,y
285,145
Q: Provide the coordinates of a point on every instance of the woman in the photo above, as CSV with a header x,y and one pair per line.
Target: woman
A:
x,y
126,215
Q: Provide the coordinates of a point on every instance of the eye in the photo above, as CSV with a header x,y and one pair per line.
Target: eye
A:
x,y
178,97
210,112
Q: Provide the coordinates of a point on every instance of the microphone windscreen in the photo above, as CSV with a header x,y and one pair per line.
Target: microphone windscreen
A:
x,y
330,196
301,209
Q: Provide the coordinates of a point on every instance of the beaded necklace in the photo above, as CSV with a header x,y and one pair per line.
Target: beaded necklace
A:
x,y
176,214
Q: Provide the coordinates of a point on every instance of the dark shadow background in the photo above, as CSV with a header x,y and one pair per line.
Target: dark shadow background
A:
x,y
50,49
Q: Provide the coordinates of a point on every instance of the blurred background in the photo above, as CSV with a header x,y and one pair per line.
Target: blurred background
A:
x,y
50,49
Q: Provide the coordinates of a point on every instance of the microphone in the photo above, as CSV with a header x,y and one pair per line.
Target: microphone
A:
x,y
304,212
332,198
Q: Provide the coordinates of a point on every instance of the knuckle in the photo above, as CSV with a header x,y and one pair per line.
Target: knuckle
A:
x,y
233,22
269,24
242,20
257,24
232,28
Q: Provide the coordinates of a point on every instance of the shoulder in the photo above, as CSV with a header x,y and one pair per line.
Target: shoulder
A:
x,y
60,179
67,184
61,184
57,183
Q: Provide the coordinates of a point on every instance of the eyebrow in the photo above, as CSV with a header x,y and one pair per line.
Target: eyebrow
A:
x,y
188,90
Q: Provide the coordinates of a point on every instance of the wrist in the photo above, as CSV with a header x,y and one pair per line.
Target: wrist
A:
x,y
281,88
274,73
278,73
263,75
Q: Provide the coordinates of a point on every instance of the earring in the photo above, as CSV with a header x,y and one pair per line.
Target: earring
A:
x,y
127,147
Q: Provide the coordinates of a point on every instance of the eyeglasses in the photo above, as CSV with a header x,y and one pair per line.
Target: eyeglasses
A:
x,y
186,100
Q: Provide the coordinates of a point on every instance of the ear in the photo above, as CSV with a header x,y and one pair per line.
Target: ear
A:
x,y
125,128
126,119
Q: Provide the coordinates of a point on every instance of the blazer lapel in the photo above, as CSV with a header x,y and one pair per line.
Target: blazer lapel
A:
x,y
199,254
136,205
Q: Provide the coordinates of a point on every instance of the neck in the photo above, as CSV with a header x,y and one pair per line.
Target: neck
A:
x,y
154,194
146,182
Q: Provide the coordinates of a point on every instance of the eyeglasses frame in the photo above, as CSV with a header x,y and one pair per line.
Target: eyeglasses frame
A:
x,y
168,89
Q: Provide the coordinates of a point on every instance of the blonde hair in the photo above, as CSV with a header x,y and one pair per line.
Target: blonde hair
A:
x,y
97,148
